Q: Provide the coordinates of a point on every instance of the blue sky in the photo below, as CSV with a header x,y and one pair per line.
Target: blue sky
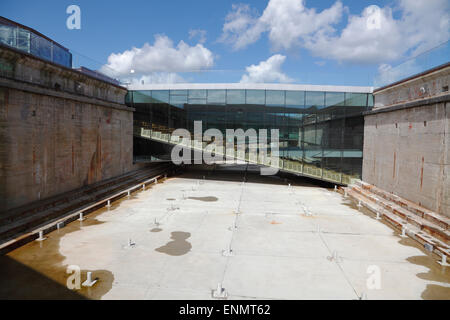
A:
x,y
314,42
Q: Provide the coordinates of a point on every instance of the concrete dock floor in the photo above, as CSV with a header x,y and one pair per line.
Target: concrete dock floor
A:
x,y
298,242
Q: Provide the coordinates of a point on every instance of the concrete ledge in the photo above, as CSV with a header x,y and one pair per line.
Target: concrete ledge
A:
x,y
411,104
38,89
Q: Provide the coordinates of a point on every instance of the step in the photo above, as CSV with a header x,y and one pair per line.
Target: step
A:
x,y
427,214
438,231
439,247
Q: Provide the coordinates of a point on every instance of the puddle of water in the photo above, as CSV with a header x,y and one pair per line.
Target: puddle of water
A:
x,y
205,199
36,270
179,246
156,230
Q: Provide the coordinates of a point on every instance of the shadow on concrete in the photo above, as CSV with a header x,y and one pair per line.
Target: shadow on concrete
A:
x,y
251,173
17,281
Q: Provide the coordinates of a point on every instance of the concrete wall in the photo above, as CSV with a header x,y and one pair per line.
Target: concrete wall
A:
x,y
429,85
59,130
406,146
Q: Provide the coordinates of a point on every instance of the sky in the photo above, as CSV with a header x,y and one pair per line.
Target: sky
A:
x,y
343,42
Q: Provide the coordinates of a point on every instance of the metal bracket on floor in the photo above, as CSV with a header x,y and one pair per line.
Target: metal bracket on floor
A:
x,y
81,218
359,205
228,252
219,293
335,257
443,261
41,236
403,235
89,282
363,296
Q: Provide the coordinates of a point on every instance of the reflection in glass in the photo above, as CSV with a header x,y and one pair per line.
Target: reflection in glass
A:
x,y
320,133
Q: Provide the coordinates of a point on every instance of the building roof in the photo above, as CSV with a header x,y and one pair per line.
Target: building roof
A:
x,y
250,86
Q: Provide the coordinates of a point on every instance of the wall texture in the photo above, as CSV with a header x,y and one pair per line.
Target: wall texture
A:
x,y
59,130
406,146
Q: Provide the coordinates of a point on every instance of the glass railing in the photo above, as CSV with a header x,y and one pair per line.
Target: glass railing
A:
x,y
288,165
29,42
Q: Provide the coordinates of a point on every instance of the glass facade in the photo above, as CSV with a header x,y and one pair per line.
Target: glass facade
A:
x,y
30,42
320,133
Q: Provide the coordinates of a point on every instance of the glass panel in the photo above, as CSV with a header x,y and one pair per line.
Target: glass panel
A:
x,y
61,56
23,40
178,100
217,96
370,100
275,97
8,35
41,47
236,96
256,97
197,94
295,99
178,92
142,96
197,101
160,95
356,99
315,99
334,98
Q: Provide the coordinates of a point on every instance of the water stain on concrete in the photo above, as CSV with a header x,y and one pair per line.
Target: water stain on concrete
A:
x,y
435,272
156,230
179,246
205,199
36,270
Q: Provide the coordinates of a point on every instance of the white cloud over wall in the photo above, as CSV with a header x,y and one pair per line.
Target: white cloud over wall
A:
x,y
266,71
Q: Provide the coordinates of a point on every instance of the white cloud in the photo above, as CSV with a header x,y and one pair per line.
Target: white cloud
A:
x,y
286,21
201,34
266,71
415,27
422,25
241,27
162,56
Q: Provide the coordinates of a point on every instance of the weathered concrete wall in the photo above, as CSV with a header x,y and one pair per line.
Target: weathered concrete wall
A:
x,y
431,84
59,130
406,152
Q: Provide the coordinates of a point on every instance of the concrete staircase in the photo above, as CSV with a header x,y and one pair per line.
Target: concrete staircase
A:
x,y
421,224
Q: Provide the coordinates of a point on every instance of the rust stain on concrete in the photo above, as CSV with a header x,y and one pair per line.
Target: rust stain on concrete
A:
x,y
95,167
395,160
421,174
